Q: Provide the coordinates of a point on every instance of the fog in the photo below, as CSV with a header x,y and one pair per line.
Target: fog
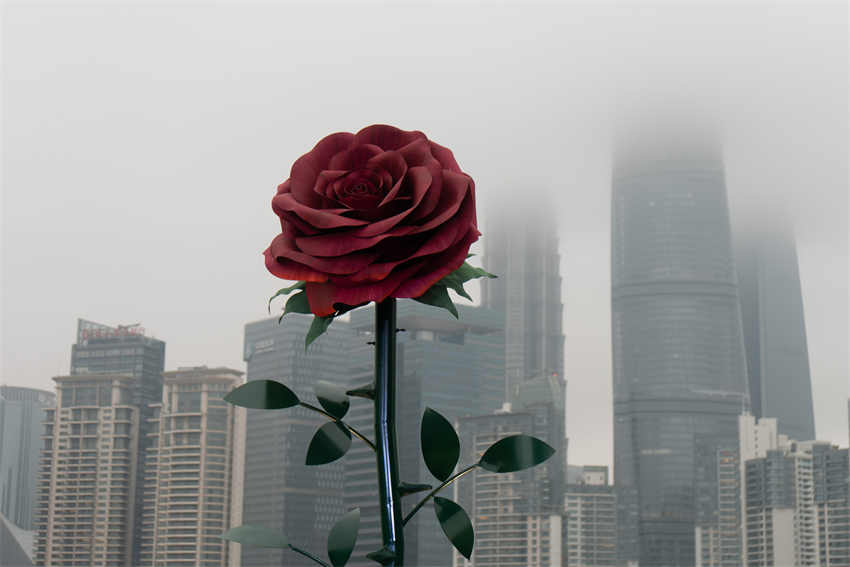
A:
x,y
142,145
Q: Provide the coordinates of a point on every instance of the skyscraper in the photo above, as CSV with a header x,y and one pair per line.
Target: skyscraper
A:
x,y
86,505
522,250
281,492
195,467
453,366
678,356
22,411
774,327
591,518
124,350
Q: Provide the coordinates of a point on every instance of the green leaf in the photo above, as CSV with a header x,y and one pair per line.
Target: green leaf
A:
x,y
406,488
262,394
456,279
332,397
455,524
330,442
342,538
367,392
296,304
438,296
440,445
256,536
286,290
515,453
317,329
384,556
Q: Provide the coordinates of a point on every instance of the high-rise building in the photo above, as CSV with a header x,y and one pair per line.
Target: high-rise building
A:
x,y
774,327
517,517
717,535
126,350
591,519
453,366
281,492
86,505
194,473
22,411
679,371
522,250
831,469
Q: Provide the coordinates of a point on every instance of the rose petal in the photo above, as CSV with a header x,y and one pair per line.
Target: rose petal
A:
x,y
282,248
445,157
386,137
319,218
419,179
455,188
288,270
445,263
306,168
354,157
392,162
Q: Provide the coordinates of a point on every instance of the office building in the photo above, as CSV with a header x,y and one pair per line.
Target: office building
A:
x,y
679,370
591,519
194,474
831,469
717,532
281,492
21,412
774,326
517,517
522,250
124,349
86,506
453,366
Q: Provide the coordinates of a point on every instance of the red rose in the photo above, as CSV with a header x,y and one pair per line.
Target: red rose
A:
x,y
367,216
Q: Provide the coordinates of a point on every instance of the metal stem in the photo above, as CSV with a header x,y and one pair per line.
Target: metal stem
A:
x,y
392,528
308,555
332,418
431,494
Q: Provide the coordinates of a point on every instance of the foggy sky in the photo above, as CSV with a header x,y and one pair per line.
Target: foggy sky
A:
x,y
142,145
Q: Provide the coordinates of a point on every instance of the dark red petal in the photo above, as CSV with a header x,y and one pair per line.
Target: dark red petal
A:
x,y
306,169
429,203
386,137
377,291
418,152
456,186
392,162
339,243
319,218
282,248
444,263
288,270
325,180
445,157
354,157
320,296
419,180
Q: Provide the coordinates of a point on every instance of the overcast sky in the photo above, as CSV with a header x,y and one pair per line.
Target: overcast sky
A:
x,y
142,145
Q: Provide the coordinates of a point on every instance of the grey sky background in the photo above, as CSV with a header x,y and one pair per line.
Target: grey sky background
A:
x,y
142,144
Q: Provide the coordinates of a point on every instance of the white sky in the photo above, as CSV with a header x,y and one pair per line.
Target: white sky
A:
x,y
142,145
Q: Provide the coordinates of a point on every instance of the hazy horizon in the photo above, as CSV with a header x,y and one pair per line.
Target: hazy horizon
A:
x,y
142,144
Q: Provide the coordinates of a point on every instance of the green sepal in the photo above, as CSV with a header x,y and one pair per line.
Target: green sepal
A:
x,y
438,296
384,556
342,538
256,536
330,442
456,525
262,394
466,272
296,304
406,488
440,445
286,290
317,329
332,397
515,453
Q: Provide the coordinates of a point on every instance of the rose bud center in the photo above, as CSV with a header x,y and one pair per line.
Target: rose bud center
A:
x,y
361,190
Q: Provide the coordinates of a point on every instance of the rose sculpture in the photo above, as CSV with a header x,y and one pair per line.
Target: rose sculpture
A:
x,y
375,216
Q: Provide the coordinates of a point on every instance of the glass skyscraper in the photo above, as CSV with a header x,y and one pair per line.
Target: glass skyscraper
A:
x,y
774,327
679,371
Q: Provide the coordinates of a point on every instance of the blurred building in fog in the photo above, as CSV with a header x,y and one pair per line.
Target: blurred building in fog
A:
x,y
193,481
717,531
679,370
453,366
590,507
517,517
124,349
774,326
86,491
22,411
522,250
281,492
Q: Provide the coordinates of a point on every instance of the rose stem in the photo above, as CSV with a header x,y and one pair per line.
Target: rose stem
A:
x,y
332,418
385,433
431,494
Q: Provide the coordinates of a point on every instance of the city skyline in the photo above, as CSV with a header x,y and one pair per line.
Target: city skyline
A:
x,y
170,127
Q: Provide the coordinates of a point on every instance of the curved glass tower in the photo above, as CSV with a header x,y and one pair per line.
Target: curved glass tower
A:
x,y
679,369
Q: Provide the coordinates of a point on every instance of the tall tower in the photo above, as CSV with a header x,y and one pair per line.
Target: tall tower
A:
x,y
22,411
126,350
678,356
194,472
522,250
774,327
